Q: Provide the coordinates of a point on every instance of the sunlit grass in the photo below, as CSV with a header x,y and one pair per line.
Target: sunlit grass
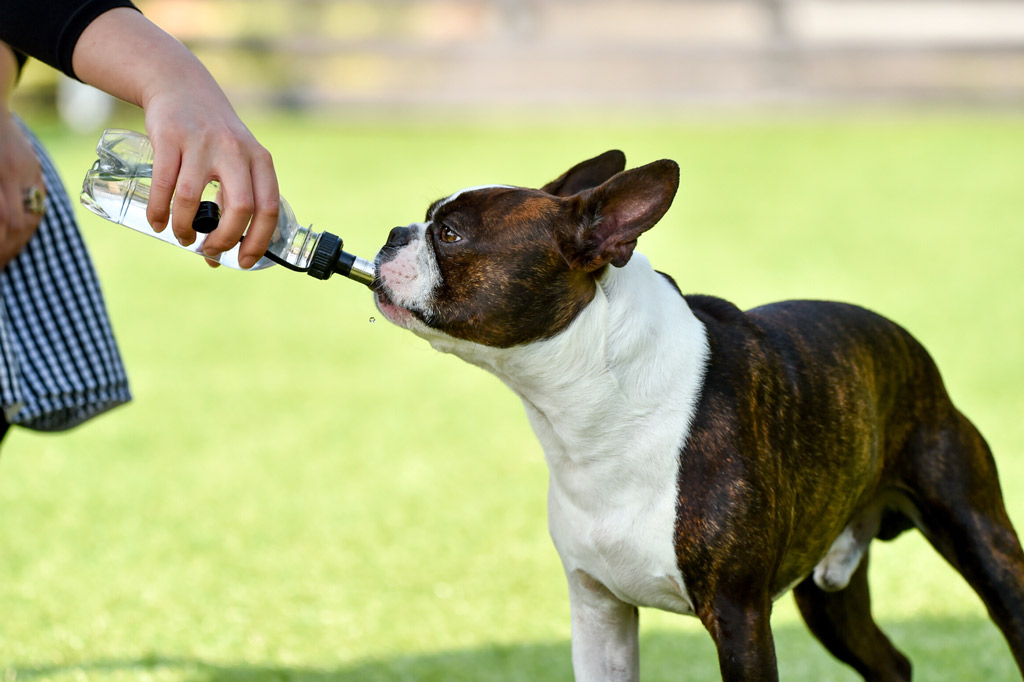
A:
x,y
299,493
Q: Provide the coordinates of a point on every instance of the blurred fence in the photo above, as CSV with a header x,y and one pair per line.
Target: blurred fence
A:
x,y
603,53
315,53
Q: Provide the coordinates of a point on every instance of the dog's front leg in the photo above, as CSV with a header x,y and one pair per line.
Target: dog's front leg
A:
x,y
605,631
743,637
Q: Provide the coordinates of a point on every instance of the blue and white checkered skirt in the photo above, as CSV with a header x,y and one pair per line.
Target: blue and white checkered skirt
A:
x,y
59,363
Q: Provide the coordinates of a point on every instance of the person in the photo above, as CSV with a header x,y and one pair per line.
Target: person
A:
x,y
59,363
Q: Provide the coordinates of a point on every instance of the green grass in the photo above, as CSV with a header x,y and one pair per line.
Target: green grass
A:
x,y
299,494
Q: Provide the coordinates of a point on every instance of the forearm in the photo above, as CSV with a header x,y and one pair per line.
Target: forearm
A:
x,y
48,30
126,55
197,136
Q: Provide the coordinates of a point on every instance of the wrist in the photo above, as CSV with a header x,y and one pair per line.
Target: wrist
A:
x,y
181,76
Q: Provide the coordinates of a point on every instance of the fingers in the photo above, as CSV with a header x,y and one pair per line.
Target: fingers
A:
x,y
267,205
236,207
248,194
15,217
32,216
7,245
166,164
249,205
10,208
17,222
6,228
20,172
192,179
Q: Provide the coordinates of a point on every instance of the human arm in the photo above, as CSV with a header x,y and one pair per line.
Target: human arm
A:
x,y
196,134
19,169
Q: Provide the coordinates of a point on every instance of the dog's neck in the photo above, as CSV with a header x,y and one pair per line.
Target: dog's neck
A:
x,y
623,379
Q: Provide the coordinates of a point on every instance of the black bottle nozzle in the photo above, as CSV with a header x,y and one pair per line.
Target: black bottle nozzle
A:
x,y
354,267
329,258
328,249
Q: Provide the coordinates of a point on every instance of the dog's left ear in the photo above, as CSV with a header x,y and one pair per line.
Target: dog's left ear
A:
x,y
587,174
610,217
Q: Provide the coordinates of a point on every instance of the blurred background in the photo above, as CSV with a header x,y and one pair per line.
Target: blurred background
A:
x,y
301,491
399,55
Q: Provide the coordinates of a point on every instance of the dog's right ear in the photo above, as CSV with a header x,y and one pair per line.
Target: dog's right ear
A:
x,y
610,217
587,175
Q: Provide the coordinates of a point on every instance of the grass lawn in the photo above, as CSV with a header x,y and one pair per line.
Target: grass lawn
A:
x,y
299,493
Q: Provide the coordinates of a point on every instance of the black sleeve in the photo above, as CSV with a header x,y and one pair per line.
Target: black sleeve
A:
x,y
49,29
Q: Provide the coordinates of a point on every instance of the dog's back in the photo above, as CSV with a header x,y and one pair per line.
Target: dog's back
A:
x,y
703,460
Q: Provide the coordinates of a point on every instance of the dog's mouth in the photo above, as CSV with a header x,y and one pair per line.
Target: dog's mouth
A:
x,y
395,313
399,289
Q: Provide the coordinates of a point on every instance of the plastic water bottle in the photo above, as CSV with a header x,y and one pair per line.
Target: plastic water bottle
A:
x,y
117,188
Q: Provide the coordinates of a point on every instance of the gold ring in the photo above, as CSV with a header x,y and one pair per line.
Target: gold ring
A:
x,y
35,200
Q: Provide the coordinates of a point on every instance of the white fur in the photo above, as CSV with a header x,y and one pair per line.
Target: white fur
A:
x,y
411,276
611,399
837,567
835,570
467,190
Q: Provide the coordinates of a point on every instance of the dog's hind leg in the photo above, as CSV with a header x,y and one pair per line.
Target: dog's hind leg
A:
x,y
842,622
962,514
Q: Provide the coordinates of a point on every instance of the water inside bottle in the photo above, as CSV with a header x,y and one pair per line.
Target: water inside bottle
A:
x,y
104,198
117,188
292,242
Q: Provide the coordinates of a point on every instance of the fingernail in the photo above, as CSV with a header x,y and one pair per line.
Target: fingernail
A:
x,y
159,226
247,261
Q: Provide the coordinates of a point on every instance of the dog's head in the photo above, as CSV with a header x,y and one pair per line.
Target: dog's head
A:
x,y
503,266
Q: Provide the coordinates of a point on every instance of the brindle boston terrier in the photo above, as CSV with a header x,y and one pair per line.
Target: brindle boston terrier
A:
x,y
703,460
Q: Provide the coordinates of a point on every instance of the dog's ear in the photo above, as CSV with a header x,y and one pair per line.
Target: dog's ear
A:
x,y
610,217
587,175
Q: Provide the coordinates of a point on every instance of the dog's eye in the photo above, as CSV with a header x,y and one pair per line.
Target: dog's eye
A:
x,y
448,235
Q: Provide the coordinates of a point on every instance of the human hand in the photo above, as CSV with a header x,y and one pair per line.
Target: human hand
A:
x,y
196,134
19,171
197,139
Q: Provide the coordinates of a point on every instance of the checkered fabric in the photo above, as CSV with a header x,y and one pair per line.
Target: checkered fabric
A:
x,y
59,363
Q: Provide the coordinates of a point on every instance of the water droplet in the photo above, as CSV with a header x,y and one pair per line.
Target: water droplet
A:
x,y
372,320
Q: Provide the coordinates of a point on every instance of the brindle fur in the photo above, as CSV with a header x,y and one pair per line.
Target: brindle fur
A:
x,y
813,417
811,412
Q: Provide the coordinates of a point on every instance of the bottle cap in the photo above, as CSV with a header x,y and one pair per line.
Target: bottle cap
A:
x,y
328,248
207,217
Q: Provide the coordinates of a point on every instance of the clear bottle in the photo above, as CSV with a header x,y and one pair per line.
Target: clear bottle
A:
x,y
117,188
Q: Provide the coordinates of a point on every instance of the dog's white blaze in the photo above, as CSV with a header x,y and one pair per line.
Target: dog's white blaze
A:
x,y
467,190
611,400
412,275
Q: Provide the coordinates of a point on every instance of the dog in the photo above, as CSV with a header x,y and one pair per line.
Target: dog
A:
x,y
703,460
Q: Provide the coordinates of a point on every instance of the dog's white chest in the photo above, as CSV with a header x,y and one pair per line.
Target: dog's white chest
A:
x,y
612,430
611,399
624,542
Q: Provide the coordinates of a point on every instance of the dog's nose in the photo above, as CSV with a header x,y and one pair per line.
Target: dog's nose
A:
x,y
399,236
